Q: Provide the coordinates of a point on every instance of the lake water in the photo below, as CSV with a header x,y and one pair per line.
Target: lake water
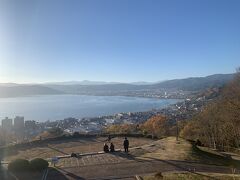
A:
x,y
55,107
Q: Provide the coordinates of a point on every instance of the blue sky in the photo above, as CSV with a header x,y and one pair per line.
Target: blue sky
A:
x,y
117,40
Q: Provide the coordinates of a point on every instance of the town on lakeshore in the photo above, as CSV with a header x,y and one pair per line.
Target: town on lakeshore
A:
x,y
25,130
120,90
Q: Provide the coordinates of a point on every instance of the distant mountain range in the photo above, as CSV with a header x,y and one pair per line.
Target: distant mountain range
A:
x,y
26,90
112,88
196,83
86,82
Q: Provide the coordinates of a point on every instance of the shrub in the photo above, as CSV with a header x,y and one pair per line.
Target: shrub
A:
x,y
159,175
19,165
144,132
76,134
38,164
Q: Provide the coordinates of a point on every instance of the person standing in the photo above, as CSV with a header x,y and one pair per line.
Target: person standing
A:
x,y
126,145
109,138
112,148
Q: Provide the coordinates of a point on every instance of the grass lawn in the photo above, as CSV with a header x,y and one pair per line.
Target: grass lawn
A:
x,y
81,145
169,149
191,176
163,149
148,149
209,156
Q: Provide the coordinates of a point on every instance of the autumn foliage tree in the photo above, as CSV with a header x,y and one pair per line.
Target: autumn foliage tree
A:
x,y
218,125
122,129
156,126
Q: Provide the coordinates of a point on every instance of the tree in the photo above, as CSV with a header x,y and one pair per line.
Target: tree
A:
x,y
122,129
218,125
19,165
190,130
156,126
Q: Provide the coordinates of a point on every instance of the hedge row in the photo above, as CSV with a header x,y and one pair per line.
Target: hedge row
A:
x,y
37,164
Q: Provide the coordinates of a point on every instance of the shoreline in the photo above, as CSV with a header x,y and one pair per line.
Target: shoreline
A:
x,y
104,113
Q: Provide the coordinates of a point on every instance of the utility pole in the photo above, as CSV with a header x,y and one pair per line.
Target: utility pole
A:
x,y
177,130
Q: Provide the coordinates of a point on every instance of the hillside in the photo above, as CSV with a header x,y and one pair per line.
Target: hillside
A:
x,y
217,125
26,90
196,83
111,89
189,84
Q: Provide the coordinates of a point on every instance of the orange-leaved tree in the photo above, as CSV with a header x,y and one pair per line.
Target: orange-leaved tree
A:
x,y
156,126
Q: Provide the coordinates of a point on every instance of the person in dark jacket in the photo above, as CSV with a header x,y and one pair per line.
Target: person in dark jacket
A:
x,y
109,138
112,148
126,145
105,148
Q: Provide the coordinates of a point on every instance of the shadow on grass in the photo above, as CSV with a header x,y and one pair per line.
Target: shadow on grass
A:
x,y
211,158
22,175
182,167
56,175
13,150
126,156
55,149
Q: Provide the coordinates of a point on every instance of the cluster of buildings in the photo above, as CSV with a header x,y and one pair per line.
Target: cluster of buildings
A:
x,y
158,93
17,124
184,109
19,128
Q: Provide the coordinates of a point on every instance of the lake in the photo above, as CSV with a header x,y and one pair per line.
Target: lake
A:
x,y
56,107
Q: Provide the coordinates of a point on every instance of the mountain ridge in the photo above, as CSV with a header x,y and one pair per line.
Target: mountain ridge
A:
x,y
187,84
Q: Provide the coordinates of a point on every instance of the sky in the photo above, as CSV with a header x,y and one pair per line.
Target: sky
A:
x,y
117,40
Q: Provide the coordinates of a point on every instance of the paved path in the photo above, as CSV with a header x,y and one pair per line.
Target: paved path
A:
x,y
122,166
4,174
97,159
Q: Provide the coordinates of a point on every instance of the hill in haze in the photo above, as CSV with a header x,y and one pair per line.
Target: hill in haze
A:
x,y
189,84
26,90
84,82
196,83
105,89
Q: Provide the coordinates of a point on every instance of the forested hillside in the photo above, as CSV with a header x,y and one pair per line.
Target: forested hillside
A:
x,y
218,125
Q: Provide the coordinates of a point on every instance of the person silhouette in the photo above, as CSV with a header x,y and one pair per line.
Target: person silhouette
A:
x,y
126,145
105,148
112,148
109,138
